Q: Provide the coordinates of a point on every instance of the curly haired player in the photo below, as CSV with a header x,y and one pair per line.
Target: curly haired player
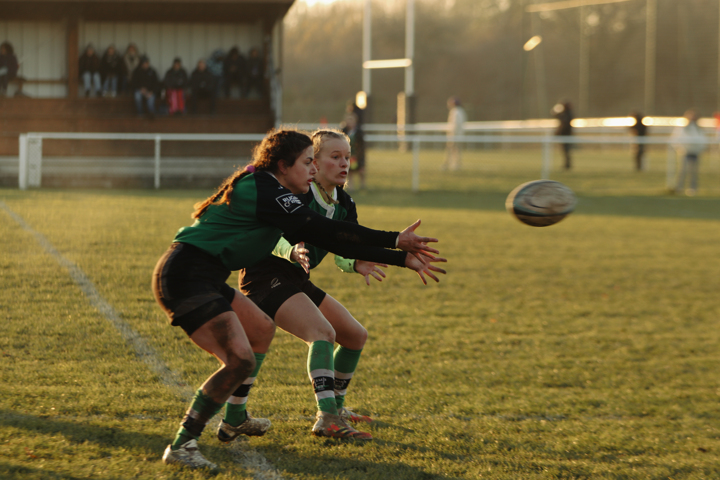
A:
x,y
235,228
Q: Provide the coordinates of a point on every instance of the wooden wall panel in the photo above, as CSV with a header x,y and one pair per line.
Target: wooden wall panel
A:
x,y
40,49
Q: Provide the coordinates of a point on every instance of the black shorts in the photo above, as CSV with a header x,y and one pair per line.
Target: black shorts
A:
x,y
189,284
273,281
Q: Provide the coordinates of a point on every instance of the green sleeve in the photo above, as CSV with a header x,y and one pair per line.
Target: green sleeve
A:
x,y
344,264
283,249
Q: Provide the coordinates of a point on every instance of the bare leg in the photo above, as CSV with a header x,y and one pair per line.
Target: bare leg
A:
x,y
259,328
224,337
348,332
300,317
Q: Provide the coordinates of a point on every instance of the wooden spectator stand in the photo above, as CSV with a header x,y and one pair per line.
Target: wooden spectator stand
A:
x,y
50,35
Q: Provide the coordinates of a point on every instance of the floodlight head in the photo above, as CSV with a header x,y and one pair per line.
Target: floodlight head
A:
x,y
532,43
361,100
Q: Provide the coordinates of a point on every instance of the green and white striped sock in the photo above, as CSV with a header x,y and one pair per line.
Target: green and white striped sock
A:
x,y
321,373
345,361
235,408
201,410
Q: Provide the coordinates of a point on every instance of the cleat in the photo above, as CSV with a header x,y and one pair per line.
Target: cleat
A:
x,y
351,416
188,455
334,426
252,427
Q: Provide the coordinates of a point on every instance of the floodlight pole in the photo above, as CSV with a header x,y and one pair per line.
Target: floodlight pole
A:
x,y
366,52
584,74
650,55
410,70
407,63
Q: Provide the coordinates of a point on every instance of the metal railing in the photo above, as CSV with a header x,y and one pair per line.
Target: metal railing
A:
x,y
31,144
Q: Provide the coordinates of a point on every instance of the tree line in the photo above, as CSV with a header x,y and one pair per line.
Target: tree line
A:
x,y
473,49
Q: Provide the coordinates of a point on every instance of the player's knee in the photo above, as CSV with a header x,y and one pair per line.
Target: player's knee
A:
x,y
266,329
362,336
241,364
326,333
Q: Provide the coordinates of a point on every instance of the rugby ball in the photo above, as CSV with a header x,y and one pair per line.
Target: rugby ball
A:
x,y
541,203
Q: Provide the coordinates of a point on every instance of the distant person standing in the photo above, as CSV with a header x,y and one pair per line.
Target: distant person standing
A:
x,y
352,127
640,131
689,141
563,113
89,66
456,128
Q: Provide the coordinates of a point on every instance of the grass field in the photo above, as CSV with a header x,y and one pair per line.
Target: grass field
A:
x,y
583,350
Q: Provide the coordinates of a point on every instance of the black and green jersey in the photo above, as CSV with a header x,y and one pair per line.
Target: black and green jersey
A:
x,y
261,210
343,210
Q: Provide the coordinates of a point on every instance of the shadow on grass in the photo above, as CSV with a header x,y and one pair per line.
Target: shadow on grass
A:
x,y
12,472
344,468
79,432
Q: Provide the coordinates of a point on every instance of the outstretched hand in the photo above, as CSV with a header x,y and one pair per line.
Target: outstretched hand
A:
x,y
422,264
412,243
299,255
366,269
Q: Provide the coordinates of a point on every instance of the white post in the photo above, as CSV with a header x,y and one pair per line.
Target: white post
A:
x,y
157,162
650,55
366,52
410,48
34,161
546,158
23,166
671,167
416,166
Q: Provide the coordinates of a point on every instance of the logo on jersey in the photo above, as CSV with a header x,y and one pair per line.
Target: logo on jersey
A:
x,y
289,202
274,282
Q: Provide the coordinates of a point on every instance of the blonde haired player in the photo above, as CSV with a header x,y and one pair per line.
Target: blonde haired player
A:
x,y
283,290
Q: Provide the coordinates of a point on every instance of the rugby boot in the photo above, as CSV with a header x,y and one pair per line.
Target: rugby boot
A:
x,y
350,416
188,455
252,427
334,426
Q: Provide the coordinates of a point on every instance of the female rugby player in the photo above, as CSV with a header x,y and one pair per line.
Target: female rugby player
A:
x,y
285,293
234,228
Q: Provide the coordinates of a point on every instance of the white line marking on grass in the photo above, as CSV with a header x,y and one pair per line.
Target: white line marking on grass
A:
x,y
248,458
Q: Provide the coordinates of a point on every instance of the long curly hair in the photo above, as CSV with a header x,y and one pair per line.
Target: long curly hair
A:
x,y
280,144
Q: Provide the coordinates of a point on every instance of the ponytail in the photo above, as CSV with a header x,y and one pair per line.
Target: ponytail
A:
x,y
224,192
284,144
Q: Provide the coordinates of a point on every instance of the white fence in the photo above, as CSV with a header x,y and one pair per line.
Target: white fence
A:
x,y
412,137
31,146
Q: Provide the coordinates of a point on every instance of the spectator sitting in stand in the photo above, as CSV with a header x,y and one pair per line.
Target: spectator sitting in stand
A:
x,y
234,71
202,86
131,60
254,78
176,80
8,66
145,84
111,70
89,67
216,64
